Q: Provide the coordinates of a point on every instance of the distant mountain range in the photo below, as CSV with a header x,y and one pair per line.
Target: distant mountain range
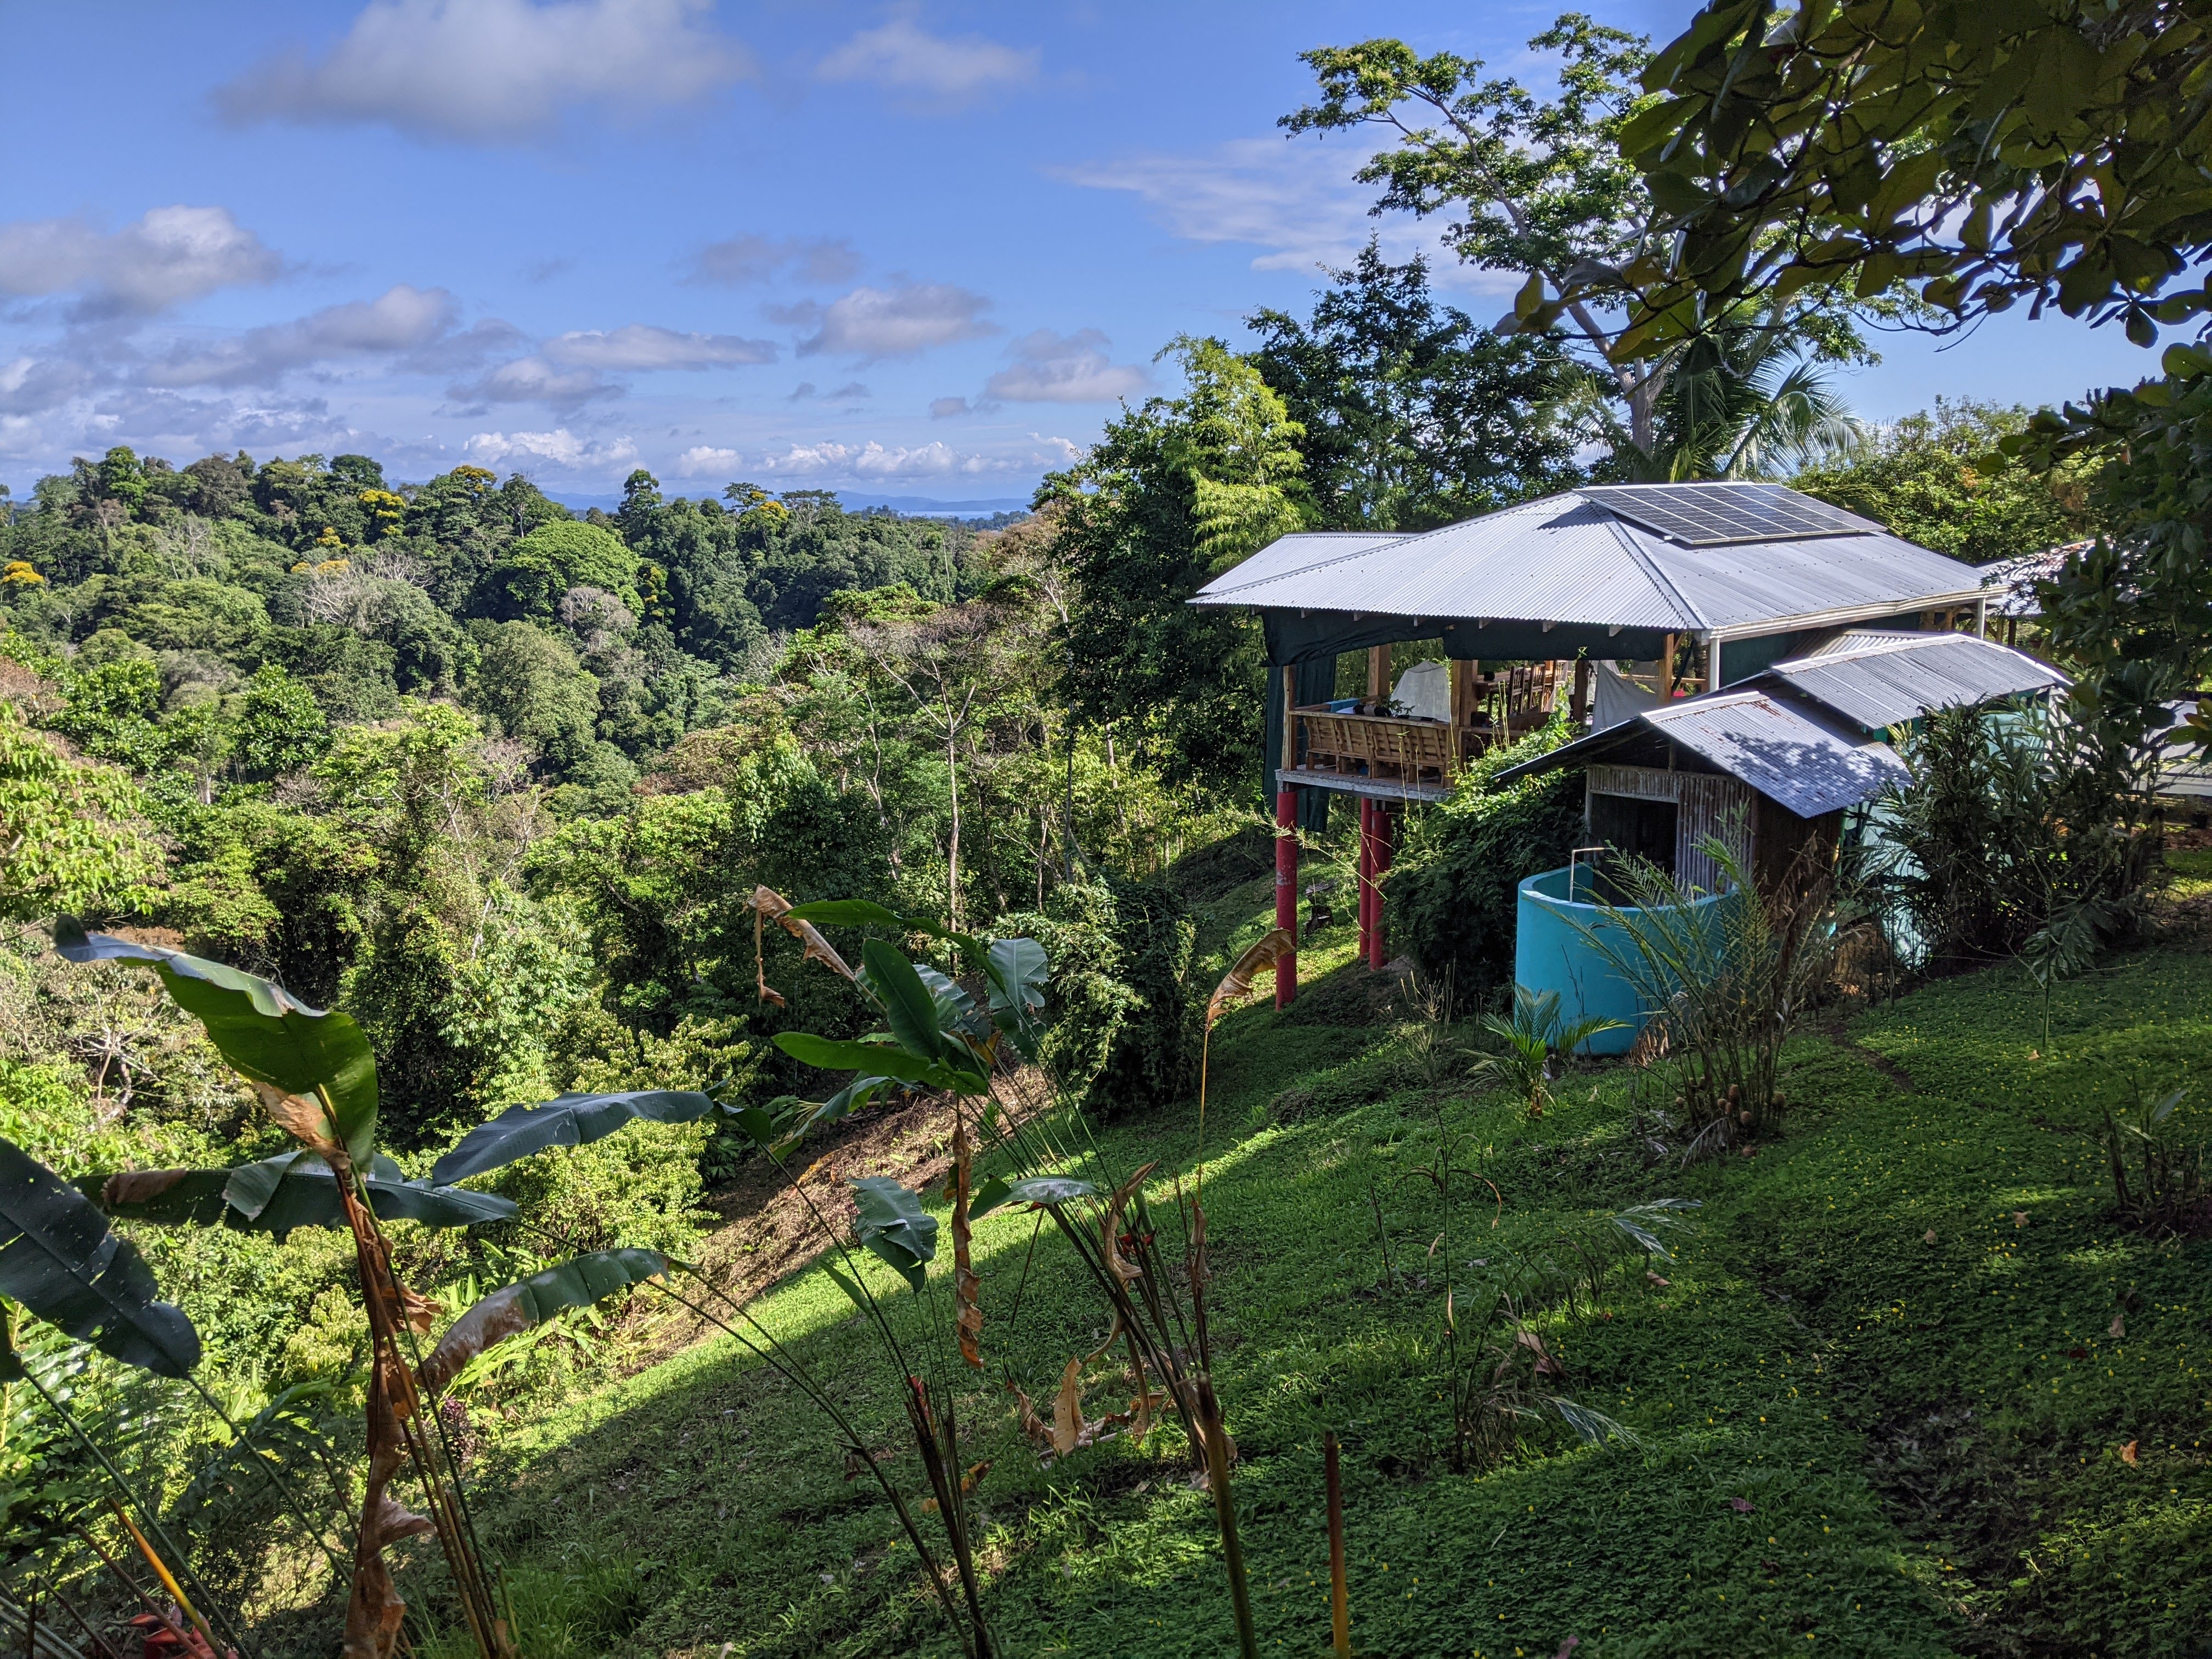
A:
x,y
916,506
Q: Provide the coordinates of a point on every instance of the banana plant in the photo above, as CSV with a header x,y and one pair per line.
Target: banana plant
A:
x,y
316,1076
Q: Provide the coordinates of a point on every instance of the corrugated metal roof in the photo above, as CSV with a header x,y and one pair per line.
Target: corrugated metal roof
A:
x,y
1791,752
1567,559
1881,679
2012,581
1297,551
1783,750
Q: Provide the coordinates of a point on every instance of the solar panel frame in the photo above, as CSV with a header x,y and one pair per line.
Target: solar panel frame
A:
x,y
1726,514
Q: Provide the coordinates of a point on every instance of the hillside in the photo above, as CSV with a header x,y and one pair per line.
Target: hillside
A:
x,y
1904,1385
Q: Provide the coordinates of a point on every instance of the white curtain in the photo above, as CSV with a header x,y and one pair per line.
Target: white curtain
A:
x,y
1618,698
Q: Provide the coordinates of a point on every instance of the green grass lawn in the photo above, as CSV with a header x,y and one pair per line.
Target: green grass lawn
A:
x,y
1853,1437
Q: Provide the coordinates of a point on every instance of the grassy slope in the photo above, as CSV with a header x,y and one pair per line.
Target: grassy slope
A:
x,y
1928,1472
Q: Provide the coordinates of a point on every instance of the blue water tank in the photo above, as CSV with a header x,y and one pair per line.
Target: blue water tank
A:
x,y
1555,948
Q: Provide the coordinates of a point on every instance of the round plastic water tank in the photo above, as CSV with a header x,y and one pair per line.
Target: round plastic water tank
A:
x,y
1551,951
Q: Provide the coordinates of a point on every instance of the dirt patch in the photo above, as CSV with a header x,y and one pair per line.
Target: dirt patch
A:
x,y
1837,1032
765,1231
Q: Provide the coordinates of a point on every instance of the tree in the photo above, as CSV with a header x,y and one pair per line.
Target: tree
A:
x,y
533,572
529,685
1990,154
1413,414
1744,403
1544,190
72,835
1136,534
1920,476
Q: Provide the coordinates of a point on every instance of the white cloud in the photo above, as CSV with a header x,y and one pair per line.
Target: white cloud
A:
x,y
876,462
171,255
401,319
745,260
492,71
905,58
560,448
1298,201
1050,368
947,409
533,380
703,459
871,323
29,386
640,346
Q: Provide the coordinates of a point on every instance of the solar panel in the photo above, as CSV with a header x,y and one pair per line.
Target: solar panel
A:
x,y
1718,514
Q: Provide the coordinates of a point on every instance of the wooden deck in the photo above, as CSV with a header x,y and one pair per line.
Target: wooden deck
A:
x,y
1403,757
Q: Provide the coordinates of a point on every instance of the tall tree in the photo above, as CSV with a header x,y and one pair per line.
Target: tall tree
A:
x,y
1414,415
1541,189
2055,154
1172,492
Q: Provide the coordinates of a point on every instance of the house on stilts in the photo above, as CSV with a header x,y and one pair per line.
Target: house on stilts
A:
x,y
1733,654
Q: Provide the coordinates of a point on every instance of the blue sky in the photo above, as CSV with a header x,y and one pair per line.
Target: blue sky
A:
x,y
914,251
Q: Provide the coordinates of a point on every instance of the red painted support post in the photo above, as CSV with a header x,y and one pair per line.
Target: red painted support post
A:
x,y
1366,872
1286,891
1377,955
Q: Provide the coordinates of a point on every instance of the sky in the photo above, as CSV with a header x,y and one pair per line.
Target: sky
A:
x,y
916,252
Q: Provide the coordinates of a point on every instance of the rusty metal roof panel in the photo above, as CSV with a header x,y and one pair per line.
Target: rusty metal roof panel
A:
x,y
1784,750
1570,559
1296,552
1882,679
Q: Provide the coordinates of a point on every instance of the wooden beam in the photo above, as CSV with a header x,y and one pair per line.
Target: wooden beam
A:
x,y
1378,672
1667,667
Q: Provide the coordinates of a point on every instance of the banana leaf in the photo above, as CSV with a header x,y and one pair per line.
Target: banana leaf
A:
x,y
275,1195
60,1260
891,1222
570,1120
514,1309
268,1034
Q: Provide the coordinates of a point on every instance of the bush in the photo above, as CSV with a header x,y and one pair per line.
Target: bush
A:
x,y
1122,1037
1452,896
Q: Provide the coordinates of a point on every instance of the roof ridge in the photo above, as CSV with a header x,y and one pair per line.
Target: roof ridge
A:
x,y
1649,565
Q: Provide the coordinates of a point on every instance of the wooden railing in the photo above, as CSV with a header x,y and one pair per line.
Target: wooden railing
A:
x,y
1488,709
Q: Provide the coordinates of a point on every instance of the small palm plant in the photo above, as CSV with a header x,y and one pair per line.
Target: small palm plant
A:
x,y
1537,1031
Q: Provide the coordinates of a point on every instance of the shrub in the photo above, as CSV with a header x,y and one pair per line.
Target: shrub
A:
x,y
1452,896
1121,1036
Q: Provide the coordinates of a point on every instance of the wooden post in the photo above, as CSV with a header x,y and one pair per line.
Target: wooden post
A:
x,y
1378,672
1366,866
1339,1604
1286,891
1578,706
1377,955
1666,668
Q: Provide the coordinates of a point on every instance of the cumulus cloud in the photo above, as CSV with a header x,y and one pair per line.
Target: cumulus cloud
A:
x,y
401,319
492,71
533,380
702,459
746,261
872,323
903,57
559,449
30,386
1074,368
638,347
947,409
171,255
1299,203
